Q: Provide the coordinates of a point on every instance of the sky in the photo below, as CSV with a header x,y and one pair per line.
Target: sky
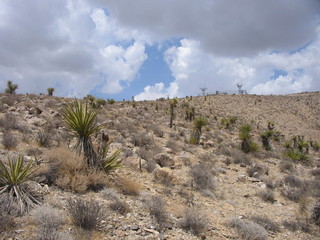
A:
x,y
149,49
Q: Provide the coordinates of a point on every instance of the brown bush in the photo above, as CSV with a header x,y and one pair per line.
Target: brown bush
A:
x,y
128,187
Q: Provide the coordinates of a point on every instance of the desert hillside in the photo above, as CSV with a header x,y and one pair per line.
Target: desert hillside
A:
x,y
229,167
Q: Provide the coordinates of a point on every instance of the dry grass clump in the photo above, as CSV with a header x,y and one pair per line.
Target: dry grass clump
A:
x,y
248,230
48,221
266,222
315,216
8,210
267,195
294,189
116,204
241,158
9,122
257,170
85,214
286,167
128,186
202,177
9,141
157,208
142,140
69,172
194,221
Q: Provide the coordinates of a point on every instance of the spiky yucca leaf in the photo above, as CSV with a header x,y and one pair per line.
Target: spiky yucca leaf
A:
x,y
112,162
81,120
12,178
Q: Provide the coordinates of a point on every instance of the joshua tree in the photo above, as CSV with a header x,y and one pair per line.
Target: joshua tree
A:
x,y
11,87
81,121
50,91
173,104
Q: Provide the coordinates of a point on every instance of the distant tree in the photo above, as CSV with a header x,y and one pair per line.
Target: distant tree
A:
x,y
50,91
11,88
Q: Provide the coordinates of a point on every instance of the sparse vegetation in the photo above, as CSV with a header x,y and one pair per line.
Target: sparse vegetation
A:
x,y
248,230
85,214
194,220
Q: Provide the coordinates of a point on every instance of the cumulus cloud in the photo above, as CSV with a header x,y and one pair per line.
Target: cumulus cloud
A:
x,y
68,45
224,27
193,68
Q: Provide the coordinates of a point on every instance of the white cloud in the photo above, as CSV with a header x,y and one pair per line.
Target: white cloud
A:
x,y
193,68
60,44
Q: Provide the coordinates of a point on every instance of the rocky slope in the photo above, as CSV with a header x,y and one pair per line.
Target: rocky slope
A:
x,y
220,191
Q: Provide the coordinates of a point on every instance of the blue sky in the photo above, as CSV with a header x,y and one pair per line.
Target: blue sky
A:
x,y
151,49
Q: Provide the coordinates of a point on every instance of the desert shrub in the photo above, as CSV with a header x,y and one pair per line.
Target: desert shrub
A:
x,y
157,131
198,123
173,145
295,225
266,222
248,230
315,215
120,206
9,122
9,141
151,165
157,208
286,166
12,181
142,140
116,203
9,100
69,172
8,210
202,177
194,221
259,169
206,157
267,195
47,217
44,138
129,187
85,214
242,158
294,189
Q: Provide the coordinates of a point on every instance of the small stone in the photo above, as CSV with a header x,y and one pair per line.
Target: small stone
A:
x,y
134,227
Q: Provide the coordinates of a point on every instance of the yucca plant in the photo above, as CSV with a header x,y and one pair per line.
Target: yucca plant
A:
x,y
81,121
12,179
112,162
247,145
199,123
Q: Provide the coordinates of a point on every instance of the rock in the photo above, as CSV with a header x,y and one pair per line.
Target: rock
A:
x,y
163,160
36,121
134,227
